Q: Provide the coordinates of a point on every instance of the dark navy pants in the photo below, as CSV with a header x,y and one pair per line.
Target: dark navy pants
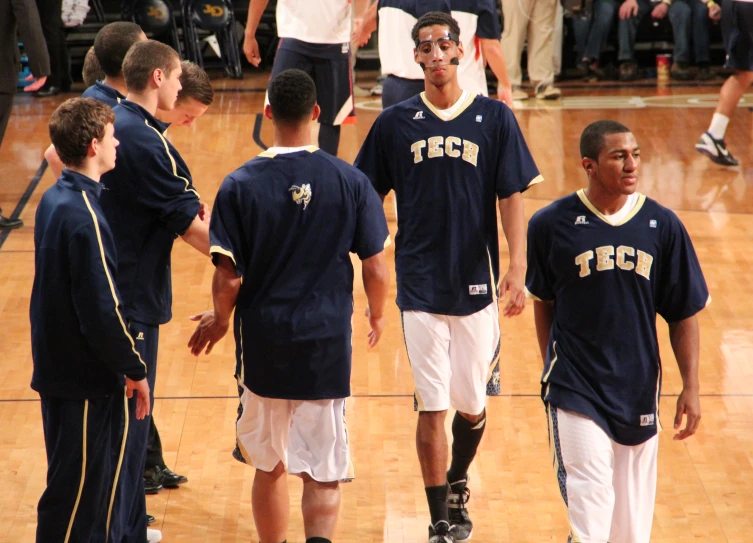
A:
x,y
398,89
129,512
83,440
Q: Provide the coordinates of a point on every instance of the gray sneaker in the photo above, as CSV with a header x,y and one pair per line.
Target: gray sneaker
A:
x,y
441,532
457,500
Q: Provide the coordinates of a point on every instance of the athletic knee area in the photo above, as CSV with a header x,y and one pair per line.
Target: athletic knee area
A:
x,y
745,78
323,485
277,472
472,419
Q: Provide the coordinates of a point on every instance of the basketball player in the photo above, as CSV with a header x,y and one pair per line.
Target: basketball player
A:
x,y
110,47
149,201
314,37
479,34
80,344
92,72
462,153
291,284
601,264
737,30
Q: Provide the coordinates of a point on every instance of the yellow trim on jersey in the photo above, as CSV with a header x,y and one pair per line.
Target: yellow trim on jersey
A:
x,y
530,295
109,278
658,380
271,154
494,286
83,475
388,241
461,109
708,301
120,464
172,160
242,376
551,366
536,180
583,198
220,250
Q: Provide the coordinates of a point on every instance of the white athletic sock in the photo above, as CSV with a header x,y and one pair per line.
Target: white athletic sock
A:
x,y
718,126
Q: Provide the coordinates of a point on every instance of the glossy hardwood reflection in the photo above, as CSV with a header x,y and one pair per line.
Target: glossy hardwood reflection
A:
x,y
704,491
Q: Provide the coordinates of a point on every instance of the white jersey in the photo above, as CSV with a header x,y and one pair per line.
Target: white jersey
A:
x,y
315,21
476,18
396,20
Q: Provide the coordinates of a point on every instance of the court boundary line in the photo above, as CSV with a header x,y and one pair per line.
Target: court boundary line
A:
x,y
257,131
30,188
378,396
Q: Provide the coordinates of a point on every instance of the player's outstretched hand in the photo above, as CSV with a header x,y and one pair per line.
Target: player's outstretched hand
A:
x,y
251,50
689,403
512,288
377,327
38,84
209,331
141,388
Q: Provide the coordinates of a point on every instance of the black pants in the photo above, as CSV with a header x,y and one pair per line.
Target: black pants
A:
x,y
83,440
153,447
50,15
6,105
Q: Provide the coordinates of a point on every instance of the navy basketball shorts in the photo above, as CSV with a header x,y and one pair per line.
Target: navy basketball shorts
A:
x,y
609,489
737,31
452,358
398,89
331,74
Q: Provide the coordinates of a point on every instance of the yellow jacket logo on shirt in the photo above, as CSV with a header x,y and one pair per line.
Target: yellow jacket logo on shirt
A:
x,y
301,195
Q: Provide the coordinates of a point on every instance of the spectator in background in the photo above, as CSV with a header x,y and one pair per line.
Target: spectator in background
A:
x,y
51,17
591,30
631,14
21,15
700,13
534,20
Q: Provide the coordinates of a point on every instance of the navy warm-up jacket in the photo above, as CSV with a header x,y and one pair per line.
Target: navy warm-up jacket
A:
x,y
79,337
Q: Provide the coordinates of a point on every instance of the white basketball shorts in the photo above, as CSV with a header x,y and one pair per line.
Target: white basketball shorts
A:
x,y
609,489
307,436
452,358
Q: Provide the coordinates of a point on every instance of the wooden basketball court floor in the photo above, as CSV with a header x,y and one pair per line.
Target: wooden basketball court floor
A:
x,y
705,490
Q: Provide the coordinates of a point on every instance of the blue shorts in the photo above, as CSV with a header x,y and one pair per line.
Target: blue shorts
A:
x,y
329,67
737,30
398,89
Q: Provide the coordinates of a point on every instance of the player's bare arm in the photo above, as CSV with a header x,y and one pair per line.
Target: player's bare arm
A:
x,y
197,235
376,282
213,325
513,223
492,52
53,161
250,46
362,31
685,339
543,317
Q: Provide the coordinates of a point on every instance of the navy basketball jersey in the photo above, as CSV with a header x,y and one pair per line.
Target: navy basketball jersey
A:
x,y
289,223
447,176
608,283
103,93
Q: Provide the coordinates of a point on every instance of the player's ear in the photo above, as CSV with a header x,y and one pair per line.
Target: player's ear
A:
x,y
461,53
415,56
589,164
268,111
158,77
93,148
316,112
